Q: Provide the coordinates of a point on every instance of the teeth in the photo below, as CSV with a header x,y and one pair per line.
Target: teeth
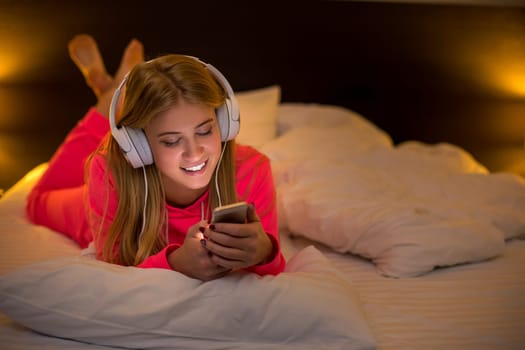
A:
x,y
195,168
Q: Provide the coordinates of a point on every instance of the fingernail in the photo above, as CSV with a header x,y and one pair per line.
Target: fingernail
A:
x,y
203,242
202,229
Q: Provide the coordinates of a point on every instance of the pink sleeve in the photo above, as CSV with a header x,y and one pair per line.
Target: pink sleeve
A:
x,y
262,195
159,260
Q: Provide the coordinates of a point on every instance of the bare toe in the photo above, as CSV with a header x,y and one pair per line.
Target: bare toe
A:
x,y
83,50
133,55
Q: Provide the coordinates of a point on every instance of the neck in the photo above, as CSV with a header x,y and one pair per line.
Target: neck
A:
x,y
181,197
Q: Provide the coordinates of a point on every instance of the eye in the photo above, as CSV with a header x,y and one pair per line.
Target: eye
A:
x,y
205,132
170,143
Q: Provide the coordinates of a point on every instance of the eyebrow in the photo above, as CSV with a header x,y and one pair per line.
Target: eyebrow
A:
x,y
177,132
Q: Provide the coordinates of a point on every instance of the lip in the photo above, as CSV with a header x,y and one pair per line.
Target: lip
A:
x,y
201,171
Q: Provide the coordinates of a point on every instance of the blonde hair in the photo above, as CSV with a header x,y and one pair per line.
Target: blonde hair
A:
x,y
151,89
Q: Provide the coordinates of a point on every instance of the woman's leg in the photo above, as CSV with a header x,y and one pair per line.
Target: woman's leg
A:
x,y
56,201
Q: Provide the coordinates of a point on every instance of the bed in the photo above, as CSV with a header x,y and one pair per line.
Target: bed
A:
x,y
407,246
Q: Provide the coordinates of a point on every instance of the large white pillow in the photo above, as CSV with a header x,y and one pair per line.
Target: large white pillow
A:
x,y
258,110
309,306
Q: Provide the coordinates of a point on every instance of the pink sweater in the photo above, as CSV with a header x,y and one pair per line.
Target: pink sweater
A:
x,y
58,199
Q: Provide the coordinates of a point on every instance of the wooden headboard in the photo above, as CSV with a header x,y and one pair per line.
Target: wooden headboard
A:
x,y
453,73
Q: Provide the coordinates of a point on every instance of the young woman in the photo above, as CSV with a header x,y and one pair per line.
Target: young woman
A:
x,y
156,213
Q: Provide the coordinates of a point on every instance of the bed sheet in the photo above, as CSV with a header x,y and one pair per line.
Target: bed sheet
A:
x,y
471,306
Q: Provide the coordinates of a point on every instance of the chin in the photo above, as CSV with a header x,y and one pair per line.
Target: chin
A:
x,y
199,184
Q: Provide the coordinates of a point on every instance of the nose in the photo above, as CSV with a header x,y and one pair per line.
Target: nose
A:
x,y
192,149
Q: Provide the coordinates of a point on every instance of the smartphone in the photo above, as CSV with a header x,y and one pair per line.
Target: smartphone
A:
x,y
233,213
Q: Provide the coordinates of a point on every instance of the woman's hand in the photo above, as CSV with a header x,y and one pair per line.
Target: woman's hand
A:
x,y
236,246
193,260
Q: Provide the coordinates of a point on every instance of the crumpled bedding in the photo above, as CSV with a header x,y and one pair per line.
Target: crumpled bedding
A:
x,y
409,208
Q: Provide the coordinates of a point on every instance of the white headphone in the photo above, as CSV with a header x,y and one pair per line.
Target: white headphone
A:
x,y
133,141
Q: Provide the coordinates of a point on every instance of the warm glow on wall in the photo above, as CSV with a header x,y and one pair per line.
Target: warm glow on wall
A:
x,y
499,61
514,85
509,77
485,58
25,57
9,65
14,56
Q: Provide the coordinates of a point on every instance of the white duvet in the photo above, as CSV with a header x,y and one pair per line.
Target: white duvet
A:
x,y
409,208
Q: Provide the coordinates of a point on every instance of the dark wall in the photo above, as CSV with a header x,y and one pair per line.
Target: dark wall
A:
x,y
427,72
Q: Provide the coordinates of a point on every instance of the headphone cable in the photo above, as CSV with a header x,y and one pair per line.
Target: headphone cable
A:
x,y
217,172
145,204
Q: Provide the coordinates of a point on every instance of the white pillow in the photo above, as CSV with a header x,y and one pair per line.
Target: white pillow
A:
x,y
309,306
292,115
258,109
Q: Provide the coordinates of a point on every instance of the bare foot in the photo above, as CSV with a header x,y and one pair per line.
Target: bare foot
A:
x,y
133,55
83,50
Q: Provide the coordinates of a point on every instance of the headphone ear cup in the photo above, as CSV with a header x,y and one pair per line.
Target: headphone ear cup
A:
x,y
228,116
223,119
228,120
139,154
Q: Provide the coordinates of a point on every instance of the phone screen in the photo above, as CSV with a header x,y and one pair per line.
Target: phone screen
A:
x,y
232,213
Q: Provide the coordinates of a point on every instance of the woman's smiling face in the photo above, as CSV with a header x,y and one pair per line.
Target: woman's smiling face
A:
x,y
186,146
